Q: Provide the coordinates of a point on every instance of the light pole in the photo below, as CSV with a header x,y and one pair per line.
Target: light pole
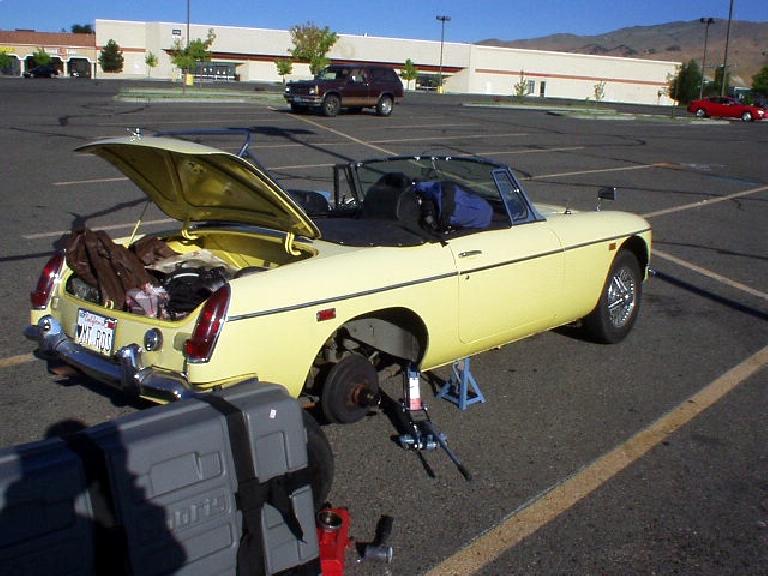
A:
x,y
443,20
185,73
707,23
725,56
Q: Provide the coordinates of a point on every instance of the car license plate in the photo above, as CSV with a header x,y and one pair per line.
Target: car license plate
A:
x,y
95,332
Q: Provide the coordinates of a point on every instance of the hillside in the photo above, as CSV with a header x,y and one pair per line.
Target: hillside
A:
x,y
675,41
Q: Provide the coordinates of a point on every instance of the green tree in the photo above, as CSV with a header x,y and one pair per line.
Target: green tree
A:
x,y
111,57
311,43
82,29
151,61
197,51
684,86
284,67
40,57
521,86
409,71
5,61
718,85
760,82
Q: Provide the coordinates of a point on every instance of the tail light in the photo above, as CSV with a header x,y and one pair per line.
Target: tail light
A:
x,y
200,347
41,295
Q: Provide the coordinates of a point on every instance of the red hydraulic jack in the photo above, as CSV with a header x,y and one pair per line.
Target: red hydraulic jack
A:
x,y
333,538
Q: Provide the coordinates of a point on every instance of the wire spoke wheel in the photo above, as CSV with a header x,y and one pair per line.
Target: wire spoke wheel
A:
x,y
618,307
621,297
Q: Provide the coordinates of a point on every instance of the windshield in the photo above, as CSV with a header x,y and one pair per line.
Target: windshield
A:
x,y
495,183
473,174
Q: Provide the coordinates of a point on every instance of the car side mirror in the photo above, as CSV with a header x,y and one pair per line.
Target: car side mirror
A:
x,y
605,193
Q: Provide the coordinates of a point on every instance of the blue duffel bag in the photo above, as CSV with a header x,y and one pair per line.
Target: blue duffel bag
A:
x,y
454,207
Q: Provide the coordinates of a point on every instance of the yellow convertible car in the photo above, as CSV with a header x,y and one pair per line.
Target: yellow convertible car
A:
x,y
412,261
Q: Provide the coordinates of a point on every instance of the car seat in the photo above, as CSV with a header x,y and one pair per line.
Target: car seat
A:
x,y
381,200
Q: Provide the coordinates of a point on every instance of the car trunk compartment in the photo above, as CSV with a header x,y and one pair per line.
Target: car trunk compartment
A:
x,y
190,268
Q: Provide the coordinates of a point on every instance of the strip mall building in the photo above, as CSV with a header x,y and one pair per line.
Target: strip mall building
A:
x,y
249,54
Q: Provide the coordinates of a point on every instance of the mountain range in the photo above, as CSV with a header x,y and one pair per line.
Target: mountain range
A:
x,y
676,41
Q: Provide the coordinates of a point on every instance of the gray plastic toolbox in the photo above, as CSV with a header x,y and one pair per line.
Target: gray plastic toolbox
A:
x,y
45,525
157,492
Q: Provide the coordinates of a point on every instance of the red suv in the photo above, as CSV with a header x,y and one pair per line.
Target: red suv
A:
x,y
352,86
725,108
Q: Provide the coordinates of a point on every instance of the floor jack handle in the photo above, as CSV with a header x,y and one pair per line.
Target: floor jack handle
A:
x,y
444,445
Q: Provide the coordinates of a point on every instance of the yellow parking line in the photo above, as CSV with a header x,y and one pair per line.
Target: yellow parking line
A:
x,y
709,274
535,514
16,360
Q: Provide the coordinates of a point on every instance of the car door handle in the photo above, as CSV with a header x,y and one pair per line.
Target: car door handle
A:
x,y
470,253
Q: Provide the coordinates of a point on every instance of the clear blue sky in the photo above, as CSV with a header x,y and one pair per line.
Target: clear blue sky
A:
x,y
472,20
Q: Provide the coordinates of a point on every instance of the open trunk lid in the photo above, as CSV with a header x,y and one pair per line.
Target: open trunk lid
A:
x,y
195,183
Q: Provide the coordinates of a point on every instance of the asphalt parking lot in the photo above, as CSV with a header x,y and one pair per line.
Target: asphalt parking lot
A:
x,y
647,457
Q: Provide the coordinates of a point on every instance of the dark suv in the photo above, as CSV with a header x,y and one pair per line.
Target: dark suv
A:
x,y
352,86
46,71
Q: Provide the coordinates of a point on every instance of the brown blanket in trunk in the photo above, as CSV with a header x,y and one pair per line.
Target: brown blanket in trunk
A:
x,y
114,269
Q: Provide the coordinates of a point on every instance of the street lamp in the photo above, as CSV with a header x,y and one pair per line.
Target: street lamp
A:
x,y
443,20
725,56
707,23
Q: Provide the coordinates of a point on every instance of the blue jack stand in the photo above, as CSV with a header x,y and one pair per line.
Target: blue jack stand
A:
x,y
462,388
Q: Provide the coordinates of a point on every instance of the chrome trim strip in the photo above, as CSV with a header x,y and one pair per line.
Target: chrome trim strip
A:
x,y
550,253
608,239
339,298
510,262
332,299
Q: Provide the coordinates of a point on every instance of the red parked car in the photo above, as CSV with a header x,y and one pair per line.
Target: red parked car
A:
x,y
725,108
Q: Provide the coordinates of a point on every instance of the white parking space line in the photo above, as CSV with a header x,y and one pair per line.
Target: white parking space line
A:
x,y
709,274
427,126
395,141
145,118
107,227
300,145
702,203
596,171
92,181
300,166
526,151
458,137
545,507
344,135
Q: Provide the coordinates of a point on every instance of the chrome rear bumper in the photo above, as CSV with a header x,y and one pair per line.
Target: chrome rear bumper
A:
x,y
127,373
